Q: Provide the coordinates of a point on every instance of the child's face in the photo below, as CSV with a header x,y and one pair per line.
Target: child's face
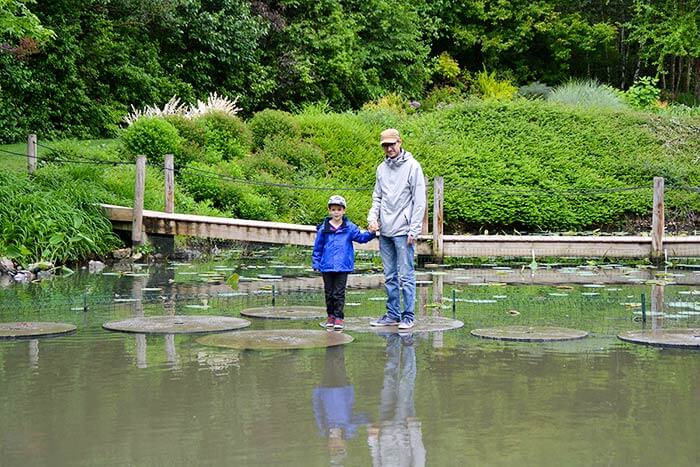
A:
x,y
336,211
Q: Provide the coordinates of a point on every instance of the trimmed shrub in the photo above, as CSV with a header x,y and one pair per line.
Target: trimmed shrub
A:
x,y
273,124
153,137
226,133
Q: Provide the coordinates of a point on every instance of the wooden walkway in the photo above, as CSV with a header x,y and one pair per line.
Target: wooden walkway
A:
x,y
161,223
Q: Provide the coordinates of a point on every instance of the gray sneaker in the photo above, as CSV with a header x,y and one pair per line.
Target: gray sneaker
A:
x,y
406,323
385,320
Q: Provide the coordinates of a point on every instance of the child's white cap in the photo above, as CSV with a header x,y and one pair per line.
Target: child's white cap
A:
x,y
338,200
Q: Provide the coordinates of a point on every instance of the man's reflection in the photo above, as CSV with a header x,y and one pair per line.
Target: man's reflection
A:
x,y
398,440
333,403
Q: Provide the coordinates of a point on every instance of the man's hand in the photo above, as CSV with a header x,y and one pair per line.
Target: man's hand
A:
x,y
411,240
373,226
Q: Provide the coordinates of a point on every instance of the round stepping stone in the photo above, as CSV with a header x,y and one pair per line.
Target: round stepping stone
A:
x,y
177,324
33,329
686,338
276,339
286,312
530,333
423,324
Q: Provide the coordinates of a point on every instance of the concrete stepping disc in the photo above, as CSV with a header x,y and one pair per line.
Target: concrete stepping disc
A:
x,y
177,324
530,333
276,339
685,338
286,312
33,329
423,324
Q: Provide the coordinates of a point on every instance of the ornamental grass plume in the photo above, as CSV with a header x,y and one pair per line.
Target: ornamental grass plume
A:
x,y
214,103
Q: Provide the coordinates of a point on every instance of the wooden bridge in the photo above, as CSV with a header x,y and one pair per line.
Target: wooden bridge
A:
x,y
157,223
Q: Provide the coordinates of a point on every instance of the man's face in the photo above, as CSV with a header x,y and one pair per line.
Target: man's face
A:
x,y
392,149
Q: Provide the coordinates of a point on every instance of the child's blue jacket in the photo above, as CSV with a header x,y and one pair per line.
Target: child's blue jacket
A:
x,y
333,250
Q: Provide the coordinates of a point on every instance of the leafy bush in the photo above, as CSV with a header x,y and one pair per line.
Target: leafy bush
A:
x,y
643,94
153,137
446,68
534,90
441,96
223,186
272,124
304,157
226,133
50,225
265,163
490,87
392,102
587,93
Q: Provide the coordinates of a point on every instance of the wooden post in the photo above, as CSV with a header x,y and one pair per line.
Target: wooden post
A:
x,y
657,221
31,153
438,185
137,217
657,307
426,222
169,168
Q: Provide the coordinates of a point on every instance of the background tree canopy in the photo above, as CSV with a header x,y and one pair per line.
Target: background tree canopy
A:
x,y
74,67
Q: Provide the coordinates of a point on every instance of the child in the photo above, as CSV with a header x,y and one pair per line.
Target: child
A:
x,y
334,256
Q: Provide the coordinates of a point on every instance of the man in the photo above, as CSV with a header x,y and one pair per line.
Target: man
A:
x,y
398,204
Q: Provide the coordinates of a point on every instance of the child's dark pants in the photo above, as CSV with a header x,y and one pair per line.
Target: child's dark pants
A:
x,y
334,286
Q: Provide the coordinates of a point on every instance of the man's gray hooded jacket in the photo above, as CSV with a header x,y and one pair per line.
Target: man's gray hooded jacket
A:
x,y
398,201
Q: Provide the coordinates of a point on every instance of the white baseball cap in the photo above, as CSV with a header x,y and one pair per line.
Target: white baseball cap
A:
x,y
338,200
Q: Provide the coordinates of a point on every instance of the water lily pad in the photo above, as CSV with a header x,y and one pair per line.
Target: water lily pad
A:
x,y
423,324
276,339
177,324
529,333
33,329
286,312
684,338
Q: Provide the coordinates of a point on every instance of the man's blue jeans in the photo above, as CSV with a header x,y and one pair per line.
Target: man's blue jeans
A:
x,y
399,276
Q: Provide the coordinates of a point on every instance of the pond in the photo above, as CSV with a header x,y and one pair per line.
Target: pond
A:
x,y
96,397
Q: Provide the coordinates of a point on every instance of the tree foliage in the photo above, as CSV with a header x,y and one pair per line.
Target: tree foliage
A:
x,y
74,67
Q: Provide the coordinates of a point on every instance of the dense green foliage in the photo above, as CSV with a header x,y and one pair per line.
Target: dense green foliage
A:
x,y
73,68
522,165
50,223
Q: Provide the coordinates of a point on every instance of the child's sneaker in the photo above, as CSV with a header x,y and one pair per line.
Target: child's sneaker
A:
x,y
385,320
338,324
406,323
330,322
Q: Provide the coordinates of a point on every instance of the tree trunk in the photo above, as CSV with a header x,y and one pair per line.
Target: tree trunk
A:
x,y
697,79
623,58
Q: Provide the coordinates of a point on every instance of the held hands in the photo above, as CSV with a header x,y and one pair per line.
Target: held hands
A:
x,y
411,240
373,226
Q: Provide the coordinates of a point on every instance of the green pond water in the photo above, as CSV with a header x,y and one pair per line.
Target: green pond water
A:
x,y
96,397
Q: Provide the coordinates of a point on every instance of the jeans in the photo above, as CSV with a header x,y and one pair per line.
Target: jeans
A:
x,y
399,276
334,287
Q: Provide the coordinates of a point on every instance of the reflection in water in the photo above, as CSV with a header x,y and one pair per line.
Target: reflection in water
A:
x,y
333,402
398,440
34,353
141,346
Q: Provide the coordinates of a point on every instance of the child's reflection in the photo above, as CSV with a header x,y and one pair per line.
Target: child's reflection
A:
x,y
398,440
333,403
